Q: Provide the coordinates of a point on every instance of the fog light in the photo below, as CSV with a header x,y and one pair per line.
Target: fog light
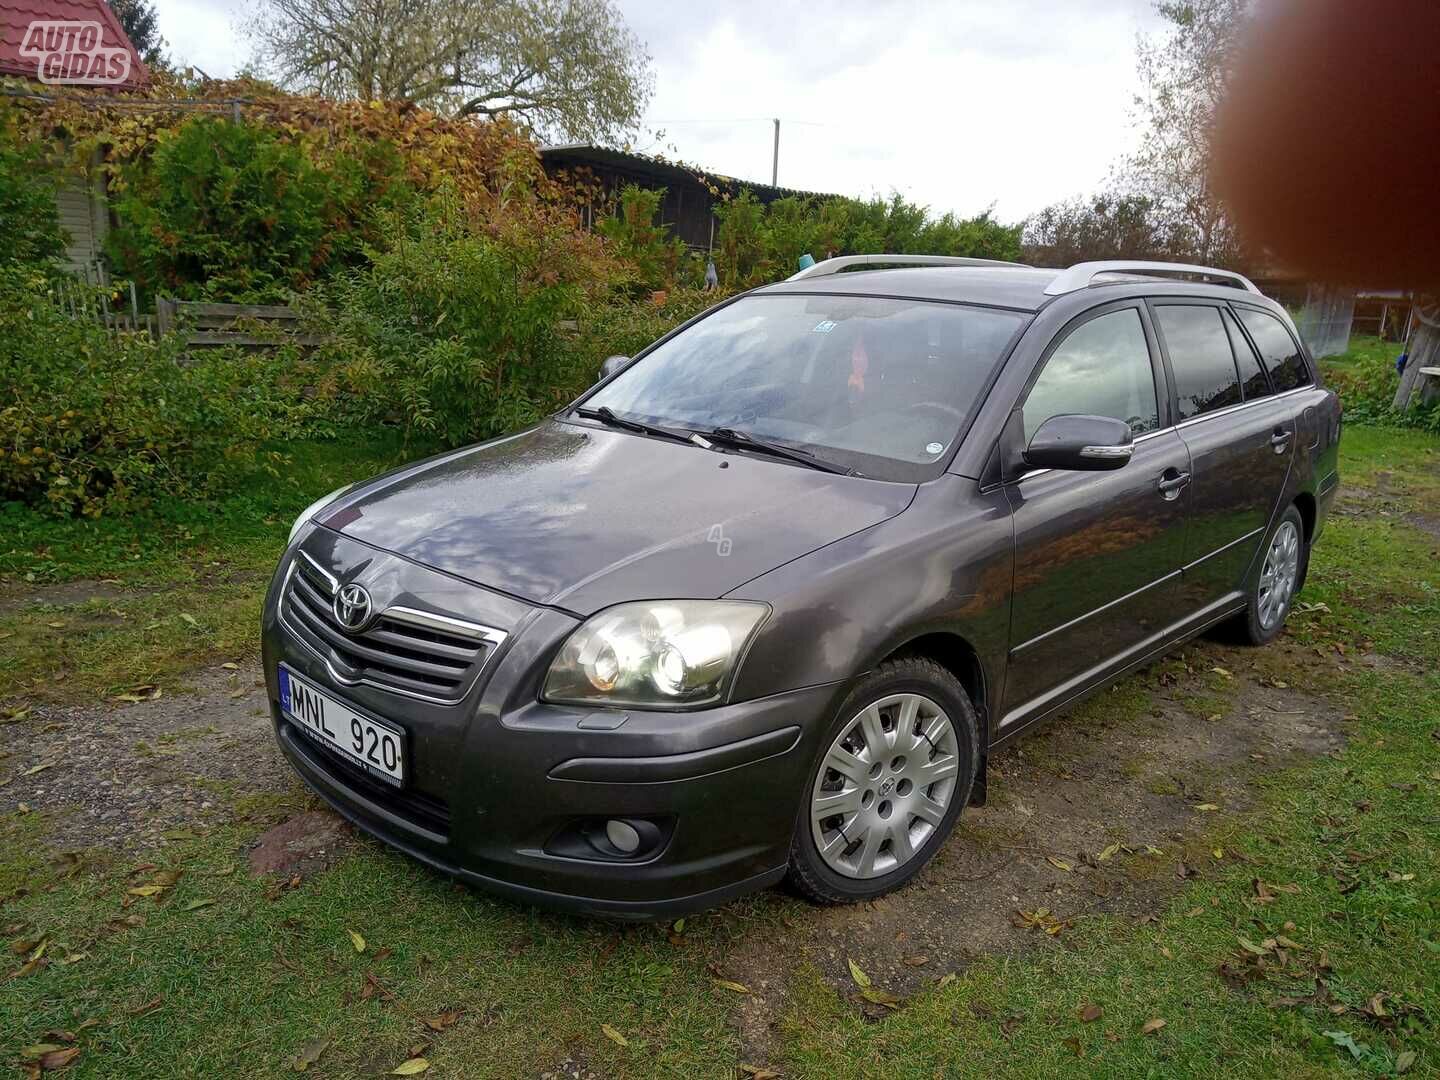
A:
x,y
623,835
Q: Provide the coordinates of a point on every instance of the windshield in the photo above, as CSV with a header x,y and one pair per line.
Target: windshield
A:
x,y
883,386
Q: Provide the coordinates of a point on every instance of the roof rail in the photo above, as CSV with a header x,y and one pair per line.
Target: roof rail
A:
x,y
1082,275
843,262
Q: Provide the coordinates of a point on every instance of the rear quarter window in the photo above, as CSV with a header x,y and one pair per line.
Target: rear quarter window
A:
x,y
1252,377
1278,349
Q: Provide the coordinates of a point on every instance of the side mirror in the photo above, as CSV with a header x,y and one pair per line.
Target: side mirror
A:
x,y
611,365
1092,443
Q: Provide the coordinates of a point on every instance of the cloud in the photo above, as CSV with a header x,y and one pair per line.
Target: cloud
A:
x,y
955,105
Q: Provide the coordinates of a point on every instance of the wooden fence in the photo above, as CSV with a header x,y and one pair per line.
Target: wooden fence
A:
x,y
207,326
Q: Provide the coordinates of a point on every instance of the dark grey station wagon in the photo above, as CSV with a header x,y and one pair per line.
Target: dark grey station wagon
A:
x,y
758,605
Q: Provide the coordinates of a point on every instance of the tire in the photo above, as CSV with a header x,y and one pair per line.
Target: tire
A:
x,y
1284,556
905,798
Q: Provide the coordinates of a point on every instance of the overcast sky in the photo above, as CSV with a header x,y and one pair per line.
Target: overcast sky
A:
x,y
957,105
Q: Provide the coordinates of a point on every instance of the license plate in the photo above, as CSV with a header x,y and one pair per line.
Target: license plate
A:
x,y
376,747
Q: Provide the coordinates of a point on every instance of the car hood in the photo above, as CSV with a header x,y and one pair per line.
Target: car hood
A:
x,y
581,518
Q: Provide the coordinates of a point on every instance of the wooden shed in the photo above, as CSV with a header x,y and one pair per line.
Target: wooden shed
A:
x,y
690,192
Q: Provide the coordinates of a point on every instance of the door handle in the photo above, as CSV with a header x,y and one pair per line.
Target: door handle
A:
x,y
1171,482
1279,439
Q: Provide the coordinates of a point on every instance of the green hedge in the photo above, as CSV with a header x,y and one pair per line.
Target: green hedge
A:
x,y
95,423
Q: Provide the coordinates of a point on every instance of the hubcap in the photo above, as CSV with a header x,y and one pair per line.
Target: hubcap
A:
x,y
884,786
1278,575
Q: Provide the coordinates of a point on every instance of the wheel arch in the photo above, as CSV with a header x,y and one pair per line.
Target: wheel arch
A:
x,y
958,656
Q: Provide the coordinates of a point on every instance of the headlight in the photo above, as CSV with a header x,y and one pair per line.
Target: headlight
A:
x,y
309,511
654,653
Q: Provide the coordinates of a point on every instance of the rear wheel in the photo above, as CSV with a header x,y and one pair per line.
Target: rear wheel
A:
x,y
1282,568
897,767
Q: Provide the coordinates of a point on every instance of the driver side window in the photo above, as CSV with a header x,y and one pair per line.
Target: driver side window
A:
x,y
1101,369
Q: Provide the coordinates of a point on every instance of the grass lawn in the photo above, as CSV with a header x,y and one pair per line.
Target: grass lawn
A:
x,y
1310,946
159,593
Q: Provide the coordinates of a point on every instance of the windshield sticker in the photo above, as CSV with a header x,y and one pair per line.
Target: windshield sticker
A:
x,y
824,326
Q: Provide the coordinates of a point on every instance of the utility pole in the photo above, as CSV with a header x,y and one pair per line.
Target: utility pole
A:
x,y
775,159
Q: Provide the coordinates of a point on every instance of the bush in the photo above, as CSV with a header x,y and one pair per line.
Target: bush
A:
x,y
94,423
29,221
645,247
226,211
454,329
1366,380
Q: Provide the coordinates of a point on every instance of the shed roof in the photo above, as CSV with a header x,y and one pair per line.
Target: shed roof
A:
x,y
580,154
17,16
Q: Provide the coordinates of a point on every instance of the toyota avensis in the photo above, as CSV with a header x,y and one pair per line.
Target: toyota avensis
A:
x,y
759,604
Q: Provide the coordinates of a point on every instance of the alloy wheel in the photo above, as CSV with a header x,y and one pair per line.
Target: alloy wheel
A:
x,y
884,786
1278,575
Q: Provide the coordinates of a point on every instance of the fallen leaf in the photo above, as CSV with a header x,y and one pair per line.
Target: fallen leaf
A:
x,y
1073,1045
29,1053
1108,853
679,926
149,1006
190,619
614,1036
1250,947
442,1021
1345,1041
58,1059
57,625
1403,1061
1222,671
146,890
38,768
1151,1026
1059,864
914,961
755,1072
727,984
356,940
880,997
411,1067
310,1053
861,979
1089,1013
230,665
1206,806
196,905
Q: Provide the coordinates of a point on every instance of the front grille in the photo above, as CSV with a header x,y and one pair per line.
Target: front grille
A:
x,y
408,651
419,809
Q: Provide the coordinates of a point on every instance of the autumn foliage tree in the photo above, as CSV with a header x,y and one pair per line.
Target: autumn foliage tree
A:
x,y
567,68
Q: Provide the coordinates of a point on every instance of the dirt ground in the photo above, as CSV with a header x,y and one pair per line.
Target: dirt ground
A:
x,y
1098,813
1095,814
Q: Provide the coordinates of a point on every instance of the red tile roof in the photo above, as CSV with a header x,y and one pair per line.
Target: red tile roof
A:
x,y
17,17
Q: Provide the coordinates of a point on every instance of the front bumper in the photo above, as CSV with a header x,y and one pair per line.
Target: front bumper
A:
x,y
496,778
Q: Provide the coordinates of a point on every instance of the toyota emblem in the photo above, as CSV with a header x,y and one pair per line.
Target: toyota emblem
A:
x,y
352,606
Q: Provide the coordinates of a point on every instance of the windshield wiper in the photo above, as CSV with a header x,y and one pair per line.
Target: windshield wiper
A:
x,y
746,441
606,416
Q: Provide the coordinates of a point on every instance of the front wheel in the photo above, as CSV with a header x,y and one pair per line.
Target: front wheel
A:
x,y
897,767
1282,568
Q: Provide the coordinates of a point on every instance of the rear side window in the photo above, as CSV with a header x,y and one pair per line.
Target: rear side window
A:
x,y
1277,348
1200,358
1101,369
1252,378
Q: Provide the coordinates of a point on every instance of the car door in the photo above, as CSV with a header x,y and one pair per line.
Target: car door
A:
x,y
1241,438
1097,554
